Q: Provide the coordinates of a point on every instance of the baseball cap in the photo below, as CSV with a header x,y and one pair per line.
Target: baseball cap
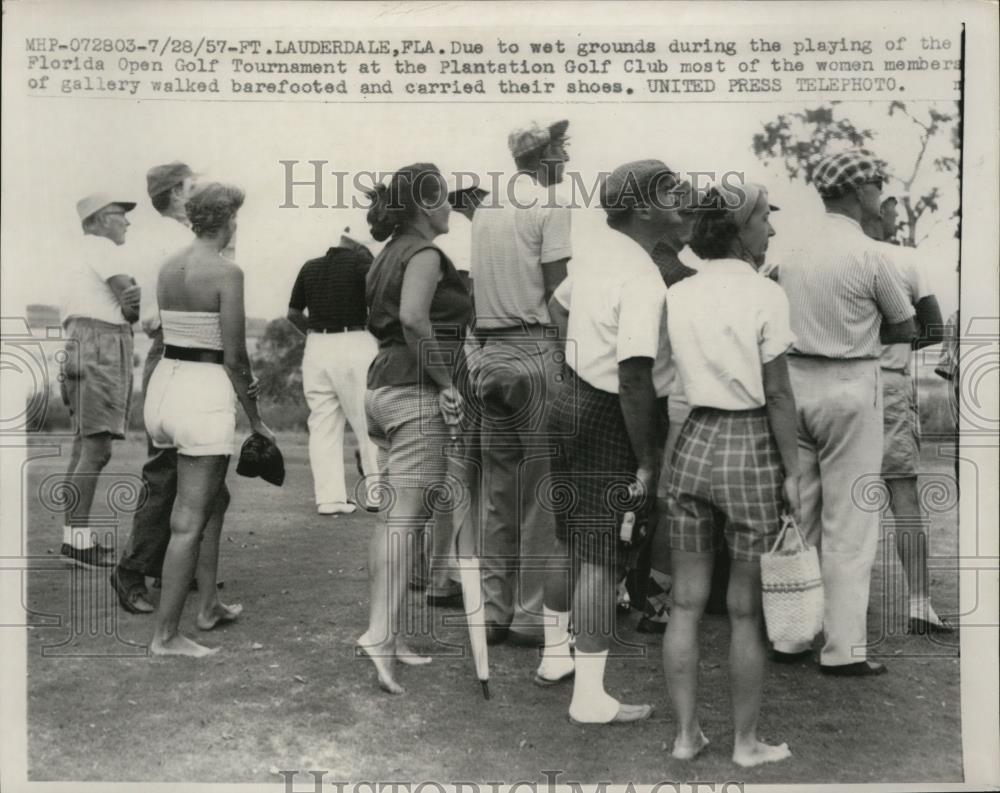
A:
x,y
535,136
160,178
95,202
837,173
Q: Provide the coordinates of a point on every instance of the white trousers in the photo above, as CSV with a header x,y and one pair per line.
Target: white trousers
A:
x,y
840,455
334,379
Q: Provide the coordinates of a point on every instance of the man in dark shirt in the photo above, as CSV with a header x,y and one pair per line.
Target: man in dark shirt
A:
x,y
328,305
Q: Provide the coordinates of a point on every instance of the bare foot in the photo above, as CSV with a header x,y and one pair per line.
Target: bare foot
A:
x,y
688,750
381,656
180,645
406,655
761,753
220,614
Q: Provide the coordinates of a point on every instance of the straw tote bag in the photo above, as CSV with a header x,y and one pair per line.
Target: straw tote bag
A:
x,y
792,586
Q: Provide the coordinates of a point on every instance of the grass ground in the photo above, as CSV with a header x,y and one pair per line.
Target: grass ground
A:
x,y
287,693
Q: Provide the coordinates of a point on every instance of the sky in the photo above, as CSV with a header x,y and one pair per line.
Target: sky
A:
x,y
70,149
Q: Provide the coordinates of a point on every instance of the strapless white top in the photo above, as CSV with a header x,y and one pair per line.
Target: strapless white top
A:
x,y
199,329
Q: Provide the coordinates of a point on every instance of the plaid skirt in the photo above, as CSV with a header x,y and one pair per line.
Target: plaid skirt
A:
x,y
591,471
725,462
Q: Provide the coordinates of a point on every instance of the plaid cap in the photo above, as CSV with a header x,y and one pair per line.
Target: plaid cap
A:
x,y
836,173
534,136
629,185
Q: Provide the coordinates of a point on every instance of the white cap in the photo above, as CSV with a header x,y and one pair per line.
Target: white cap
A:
x,y
95,202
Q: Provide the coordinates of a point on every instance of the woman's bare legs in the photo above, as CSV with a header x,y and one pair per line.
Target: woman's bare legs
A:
x,y
747,658
389,556
692,579
212,611
199,480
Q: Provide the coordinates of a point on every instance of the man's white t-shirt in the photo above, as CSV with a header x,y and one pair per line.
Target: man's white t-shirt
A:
x,y
85,288
156,238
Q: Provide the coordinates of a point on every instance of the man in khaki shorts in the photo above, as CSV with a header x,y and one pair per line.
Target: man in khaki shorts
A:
x,y
901,424
101,300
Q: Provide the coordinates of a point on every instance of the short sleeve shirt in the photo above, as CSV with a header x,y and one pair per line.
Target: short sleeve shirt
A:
x,y
85,288
617,303
725,323
841,289
150,245
331,289
512,235
898,356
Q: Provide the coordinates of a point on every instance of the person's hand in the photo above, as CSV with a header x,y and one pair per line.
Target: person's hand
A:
x,y
253,390
643,488
262,429
790,495
131,297
451,404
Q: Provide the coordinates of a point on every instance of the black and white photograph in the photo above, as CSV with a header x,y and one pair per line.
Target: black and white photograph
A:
x,y
482,396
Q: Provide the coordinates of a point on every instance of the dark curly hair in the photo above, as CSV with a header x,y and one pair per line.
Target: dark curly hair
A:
x,y
211,206
394,205
714,228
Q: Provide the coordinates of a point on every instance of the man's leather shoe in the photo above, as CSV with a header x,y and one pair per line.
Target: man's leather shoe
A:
x,y
860,669
922,627
646,625
496,633
131,594
454,601
791,658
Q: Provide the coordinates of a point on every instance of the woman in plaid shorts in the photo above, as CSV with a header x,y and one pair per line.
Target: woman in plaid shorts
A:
x,y
736,456
419,310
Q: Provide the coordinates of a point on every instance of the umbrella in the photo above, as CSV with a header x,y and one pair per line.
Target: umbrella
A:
x,y
468,566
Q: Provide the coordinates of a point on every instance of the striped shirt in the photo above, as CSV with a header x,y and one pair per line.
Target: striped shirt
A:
x,y
897,356
840,289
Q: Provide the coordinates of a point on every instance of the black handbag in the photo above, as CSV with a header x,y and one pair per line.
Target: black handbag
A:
x,y
260,456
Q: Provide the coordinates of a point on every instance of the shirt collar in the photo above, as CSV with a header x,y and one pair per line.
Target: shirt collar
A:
x,y
727,267
843,218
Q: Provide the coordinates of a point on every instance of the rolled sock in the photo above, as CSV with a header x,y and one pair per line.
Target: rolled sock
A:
x,y
591,703
81,539
921,608
557,659
68,535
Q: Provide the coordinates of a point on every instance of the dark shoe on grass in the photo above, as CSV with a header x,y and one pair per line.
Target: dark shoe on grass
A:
x,y
922,627
94,558
131,590
454,601
860,669
646,625
792,658
496,633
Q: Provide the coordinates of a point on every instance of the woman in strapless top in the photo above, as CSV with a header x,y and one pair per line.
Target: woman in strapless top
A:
x,y
191,407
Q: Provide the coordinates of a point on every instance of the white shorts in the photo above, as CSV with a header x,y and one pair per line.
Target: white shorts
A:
x,y
191,407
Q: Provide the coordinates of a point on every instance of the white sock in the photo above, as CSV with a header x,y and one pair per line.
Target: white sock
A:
x,y
921,608
79,538
591,703
557,659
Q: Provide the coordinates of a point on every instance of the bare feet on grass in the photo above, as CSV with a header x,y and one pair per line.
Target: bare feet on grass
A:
x,y
688,747
219,614
759,753
382,656
180,645
407,655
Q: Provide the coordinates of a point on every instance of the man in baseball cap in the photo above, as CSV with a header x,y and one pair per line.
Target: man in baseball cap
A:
x,y
847,298
100,300
520,249
169,186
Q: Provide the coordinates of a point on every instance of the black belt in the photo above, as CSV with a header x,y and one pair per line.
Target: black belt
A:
x,y
340,329
192,354
535,331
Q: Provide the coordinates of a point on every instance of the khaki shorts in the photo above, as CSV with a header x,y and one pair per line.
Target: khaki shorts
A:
x,y
901,419
96,382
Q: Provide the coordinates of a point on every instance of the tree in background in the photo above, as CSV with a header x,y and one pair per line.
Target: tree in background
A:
x,y
277,363
800,140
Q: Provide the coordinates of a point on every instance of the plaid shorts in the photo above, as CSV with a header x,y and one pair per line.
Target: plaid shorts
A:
x,y
901,422
725,462
587,491
406,425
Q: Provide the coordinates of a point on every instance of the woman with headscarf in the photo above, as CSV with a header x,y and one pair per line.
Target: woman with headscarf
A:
x,y
419,310
191,407
737,455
